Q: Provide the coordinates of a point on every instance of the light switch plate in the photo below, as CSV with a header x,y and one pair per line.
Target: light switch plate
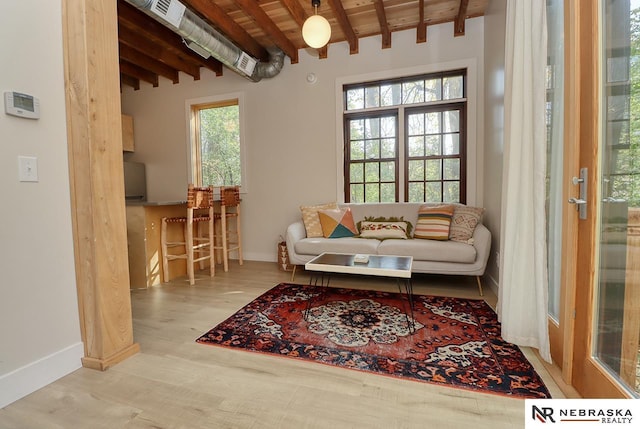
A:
x,y
28,168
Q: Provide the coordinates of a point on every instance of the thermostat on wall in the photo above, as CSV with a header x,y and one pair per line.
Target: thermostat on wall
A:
x,y
21,105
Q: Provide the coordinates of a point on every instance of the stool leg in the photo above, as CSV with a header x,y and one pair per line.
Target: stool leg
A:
x,y
218,240
225,244
188,232
212,255
164,249
199,241
239,237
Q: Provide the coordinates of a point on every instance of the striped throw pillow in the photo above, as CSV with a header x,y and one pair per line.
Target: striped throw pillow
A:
x,y
434,222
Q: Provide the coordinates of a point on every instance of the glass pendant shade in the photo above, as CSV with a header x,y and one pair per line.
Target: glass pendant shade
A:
x,y
316,31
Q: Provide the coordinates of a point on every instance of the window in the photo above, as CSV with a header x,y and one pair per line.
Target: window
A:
x,y
420,157
216,149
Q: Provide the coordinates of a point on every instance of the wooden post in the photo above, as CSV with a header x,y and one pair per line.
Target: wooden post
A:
x,y
96,174
631,323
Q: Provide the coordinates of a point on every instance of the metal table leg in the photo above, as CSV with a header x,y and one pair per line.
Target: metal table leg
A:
x,y
408,286
314,279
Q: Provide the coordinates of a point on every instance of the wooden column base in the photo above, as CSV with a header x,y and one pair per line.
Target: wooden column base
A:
x,y
104,364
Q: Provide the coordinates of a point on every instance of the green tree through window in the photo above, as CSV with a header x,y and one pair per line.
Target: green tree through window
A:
x,y
217,159
405,139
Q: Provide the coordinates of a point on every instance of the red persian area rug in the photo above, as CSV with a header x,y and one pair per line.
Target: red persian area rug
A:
x,y
456,341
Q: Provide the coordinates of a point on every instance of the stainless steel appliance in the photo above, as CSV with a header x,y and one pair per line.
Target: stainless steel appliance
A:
x,y
135,181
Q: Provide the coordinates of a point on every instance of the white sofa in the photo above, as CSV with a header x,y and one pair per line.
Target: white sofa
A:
x,y
429,256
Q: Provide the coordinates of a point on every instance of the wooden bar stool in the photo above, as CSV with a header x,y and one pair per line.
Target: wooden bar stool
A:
x,y
230,239
198,248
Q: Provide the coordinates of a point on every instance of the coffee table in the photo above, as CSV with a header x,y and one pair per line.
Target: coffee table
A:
x,y
397,267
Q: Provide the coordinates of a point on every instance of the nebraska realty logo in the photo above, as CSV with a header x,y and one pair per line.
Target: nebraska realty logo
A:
x,y
585,412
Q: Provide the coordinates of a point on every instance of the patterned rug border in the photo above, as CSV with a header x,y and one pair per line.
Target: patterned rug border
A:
x,y
293,354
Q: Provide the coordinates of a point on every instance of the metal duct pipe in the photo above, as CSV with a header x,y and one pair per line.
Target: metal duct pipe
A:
x,y
272,68
195,29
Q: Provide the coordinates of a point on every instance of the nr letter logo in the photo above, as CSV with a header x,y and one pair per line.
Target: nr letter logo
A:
x,y
543,414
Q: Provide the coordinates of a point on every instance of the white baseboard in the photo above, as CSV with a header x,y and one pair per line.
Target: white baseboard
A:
x,y
493,285
260,257
29,378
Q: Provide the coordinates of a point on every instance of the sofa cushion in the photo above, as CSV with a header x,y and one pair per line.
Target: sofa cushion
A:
x,y
337,223
311,219
464,222
429,250
434,222
316,246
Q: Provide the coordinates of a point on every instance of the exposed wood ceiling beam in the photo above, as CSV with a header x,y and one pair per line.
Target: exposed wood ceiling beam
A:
x,y
162,35
296,11
253,9
460,18
155,50
255,26
210,11
347,29
140,59
129,81
322,52
421,31
384,25
138,72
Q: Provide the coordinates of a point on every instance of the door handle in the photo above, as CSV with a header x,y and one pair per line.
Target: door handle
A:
x,y
576,201
581,201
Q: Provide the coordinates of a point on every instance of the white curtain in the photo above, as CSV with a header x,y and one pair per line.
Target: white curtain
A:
x,y
522,299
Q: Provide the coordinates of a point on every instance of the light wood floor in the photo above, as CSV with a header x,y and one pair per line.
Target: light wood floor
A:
x,y
177,383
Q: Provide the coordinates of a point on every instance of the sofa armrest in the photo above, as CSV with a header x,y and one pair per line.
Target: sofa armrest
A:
x,y
482,243
295,233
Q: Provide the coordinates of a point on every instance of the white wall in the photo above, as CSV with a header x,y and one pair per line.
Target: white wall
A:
x,y
495,21
39,323
292,125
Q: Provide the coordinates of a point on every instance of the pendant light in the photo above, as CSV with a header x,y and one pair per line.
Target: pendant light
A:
x,y
316,30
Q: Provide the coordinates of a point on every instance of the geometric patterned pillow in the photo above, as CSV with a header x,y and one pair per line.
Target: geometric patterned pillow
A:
x,y
464,222
433,222
311,219
337,223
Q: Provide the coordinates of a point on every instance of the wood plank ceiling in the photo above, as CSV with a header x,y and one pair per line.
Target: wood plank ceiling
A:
x,y
149,50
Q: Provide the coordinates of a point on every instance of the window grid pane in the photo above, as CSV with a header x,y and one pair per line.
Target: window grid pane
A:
x,y
416,192
355,99
452,87
372,162
372,97
416,170
429,88
433,192
440,167
434,144
433,88
451,192
413,92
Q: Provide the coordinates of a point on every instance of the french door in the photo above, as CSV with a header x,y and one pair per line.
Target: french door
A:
x,y
595,291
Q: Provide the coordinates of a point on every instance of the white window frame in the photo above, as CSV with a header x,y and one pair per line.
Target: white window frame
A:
x,y
240,96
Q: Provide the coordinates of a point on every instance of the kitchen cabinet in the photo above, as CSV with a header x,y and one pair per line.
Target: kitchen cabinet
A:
x,y
127,134
144,220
